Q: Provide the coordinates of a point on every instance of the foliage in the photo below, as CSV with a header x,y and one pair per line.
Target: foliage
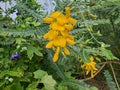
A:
x,y
110,81
110,11
34,69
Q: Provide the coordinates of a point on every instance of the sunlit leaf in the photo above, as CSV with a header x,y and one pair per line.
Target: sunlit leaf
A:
x,y
32,86
39,74
33,50
48,82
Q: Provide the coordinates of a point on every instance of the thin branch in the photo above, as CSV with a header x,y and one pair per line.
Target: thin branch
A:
x,y
114,76
95,73
108,62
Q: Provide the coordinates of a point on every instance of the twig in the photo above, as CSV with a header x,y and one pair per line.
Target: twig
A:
x,y
114,76
95,73
108,62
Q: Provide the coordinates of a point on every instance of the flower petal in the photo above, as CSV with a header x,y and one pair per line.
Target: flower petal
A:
x,y
50,44
55,14
69,41
48,20
69,26
55,57
91,58
72,21
62,20
67,12
87,72
67,52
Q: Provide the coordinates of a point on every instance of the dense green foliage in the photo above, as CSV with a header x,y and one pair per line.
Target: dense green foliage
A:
x,y
96,34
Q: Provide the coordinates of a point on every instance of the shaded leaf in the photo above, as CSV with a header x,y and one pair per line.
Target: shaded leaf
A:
x,y
84,55
14,86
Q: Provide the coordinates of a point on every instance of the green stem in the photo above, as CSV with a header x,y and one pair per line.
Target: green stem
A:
x,y
94,38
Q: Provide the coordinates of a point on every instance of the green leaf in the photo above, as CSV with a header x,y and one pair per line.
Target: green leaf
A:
x,y
93,88
36,23
11,73
107,54
17,86
1,84
14,73
31,50
3,73
84,55
110,82
68,75
28,19
39,74
77,85
32,86
48,82
14,86
1,49
20,40
60,87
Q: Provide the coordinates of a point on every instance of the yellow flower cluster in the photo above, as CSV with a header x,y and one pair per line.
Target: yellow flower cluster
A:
x,y
58,35
90,66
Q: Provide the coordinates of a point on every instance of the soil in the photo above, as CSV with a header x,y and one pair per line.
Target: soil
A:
x,y
101,85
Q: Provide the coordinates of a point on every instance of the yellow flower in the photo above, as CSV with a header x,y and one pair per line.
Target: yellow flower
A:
x,y
67,12
62,20
90,67
52,34
72,21
48,20
60,41
69,41
55,58
59,36
68,26
56,26
67,52
59,18
49,44
52,17
67,35
55,14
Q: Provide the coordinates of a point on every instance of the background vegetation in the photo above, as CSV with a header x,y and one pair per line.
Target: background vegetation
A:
x,y
25,63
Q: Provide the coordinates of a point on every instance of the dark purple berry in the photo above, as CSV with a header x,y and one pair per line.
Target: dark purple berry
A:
x,y
15,56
